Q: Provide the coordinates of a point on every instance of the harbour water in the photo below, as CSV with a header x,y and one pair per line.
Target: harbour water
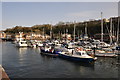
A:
x,y
29,63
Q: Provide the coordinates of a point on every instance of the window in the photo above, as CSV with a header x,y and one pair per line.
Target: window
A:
x,y
83,53
78,53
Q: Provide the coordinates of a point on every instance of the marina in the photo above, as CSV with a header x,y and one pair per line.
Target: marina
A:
x,y
18,61
60,58
51,56
47,40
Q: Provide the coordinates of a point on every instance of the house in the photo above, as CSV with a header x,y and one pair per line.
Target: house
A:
x,y
2,34
36,36
66,36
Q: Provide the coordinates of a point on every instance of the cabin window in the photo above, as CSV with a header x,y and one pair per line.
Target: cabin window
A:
x,y
83,53
78,53
23,43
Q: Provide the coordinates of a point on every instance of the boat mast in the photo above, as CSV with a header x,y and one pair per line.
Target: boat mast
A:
x,y
66,35
31,35
59,36
111,31
101,28
118,31
20,36
81,33
78,34
74,30
51,32
43,33
86,30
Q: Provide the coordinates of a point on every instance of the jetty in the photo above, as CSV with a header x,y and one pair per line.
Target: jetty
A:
x,y
3,75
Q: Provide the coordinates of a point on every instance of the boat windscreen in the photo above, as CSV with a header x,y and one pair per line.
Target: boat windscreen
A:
x,y
78,53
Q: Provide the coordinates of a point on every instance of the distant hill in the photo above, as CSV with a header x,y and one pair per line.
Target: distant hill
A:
x,y
93,27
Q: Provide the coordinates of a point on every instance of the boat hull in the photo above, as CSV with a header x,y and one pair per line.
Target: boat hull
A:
x,y
104,55
76,58
21,45
48,53
43,51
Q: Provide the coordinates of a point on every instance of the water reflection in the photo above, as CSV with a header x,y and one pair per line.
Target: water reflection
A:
x,y
80,67
22,50
37,50
47,58
21,53
105,65
85,64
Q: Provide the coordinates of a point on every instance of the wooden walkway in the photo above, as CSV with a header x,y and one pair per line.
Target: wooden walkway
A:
x,y
3,74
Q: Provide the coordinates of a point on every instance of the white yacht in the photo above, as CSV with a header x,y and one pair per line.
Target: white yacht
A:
x,y
22,44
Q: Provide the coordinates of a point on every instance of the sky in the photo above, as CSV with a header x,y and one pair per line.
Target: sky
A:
x,y
0,16
32,13
60,0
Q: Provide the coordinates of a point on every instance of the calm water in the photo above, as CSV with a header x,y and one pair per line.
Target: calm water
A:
x,y
29,63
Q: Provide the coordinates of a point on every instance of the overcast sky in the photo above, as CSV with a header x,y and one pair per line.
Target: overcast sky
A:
x,y
32,13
